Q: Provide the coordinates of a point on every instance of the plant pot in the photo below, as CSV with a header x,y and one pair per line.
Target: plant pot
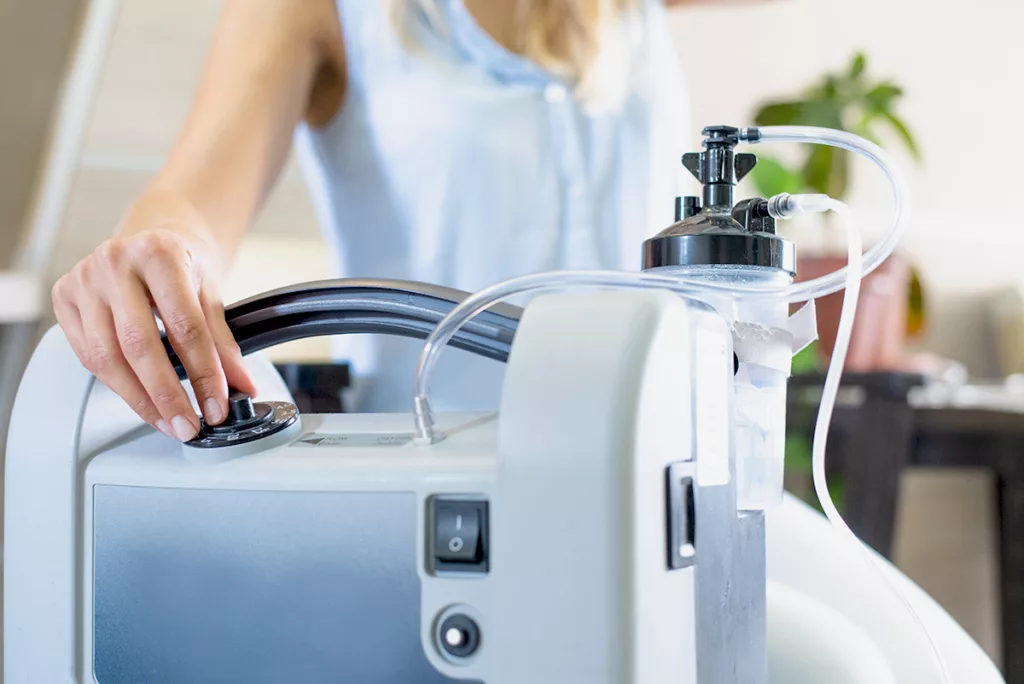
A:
x,y
880,327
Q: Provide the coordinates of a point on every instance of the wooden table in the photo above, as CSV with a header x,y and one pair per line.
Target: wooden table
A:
x,y
874,439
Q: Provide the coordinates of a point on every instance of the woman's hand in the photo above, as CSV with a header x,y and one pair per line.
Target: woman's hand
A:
x,y
272,64
163,261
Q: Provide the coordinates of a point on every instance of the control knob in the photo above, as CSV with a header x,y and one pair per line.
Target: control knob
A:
x,y
246,421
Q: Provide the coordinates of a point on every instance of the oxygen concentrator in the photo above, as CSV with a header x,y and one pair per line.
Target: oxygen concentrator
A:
x,y
620,520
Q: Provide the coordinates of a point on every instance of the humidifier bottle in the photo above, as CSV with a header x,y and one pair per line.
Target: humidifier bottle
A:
x,y
715,240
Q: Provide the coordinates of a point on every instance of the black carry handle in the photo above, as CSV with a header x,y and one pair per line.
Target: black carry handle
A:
x,y
338,307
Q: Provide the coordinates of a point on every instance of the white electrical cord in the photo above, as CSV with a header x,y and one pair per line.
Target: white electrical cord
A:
x,y
826,408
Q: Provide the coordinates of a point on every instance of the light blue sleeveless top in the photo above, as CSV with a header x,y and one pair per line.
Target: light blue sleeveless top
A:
x,y
453,161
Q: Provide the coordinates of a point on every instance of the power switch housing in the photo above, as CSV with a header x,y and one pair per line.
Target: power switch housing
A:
x,y
459,535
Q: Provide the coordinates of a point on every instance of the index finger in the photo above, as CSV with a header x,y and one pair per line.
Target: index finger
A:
x,y
189,333
142,348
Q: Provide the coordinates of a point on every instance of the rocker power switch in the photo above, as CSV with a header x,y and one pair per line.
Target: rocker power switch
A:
x,y
460,535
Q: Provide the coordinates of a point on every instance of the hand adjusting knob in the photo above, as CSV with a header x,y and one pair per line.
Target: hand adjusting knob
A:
x,y
245,422
242,414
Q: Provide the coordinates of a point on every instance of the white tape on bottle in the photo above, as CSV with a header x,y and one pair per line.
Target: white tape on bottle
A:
x,y
803,326
774,348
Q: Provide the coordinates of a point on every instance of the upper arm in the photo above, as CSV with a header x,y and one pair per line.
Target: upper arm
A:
x,y
271,65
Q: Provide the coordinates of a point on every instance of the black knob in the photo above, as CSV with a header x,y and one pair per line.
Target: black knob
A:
x,y
240,408
242,414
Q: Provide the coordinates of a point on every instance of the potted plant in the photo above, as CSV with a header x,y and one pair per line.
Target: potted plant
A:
x,y
891,307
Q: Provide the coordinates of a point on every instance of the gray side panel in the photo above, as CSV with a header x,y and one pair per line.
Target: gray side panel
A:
x,y
731,600
218,587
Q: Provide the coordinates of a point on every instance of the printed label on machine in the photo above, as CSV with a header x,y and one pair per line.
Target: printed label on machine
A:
x,y
315,439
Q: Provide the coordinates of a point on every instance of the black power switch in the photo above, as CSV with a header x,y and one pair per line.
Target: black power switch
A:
x,y
460,535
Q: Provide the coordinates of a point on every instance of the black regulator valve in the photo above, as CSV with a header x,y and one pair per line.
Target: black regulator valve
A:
x,y
713,229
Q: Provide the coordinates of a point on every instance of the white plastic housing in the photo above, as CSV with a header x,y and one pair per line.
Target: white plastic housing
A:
x,y
601,394
598,402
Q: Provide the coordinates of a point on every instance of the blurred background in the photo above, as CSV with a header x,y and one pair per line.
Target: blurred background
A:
x,y
929,449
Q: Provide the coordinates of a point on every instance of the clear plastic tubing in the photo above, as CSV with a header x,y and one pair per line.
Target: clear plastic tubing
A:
x,y
795,292
873,258
558,280
824,420
849,278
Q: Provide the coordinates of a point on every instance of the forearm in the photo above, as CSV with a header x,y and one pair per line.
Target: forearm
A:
x,y
255,89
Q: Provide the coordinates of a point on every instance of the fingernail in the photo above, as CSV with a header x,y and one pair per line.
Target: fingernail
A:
x,y
183,428
212,411
163,427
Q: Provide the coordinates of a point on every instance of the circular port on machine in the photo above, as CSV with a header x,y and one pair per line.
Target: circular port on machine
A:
x,y
457,636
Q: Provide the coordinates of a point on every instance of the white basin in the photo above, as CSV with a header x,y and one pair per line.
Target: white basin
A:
x,y
811,643
820,584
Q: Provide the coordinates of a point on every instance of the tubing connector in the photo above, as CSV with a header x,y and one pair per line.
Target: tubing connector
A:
x,y
749,135
784,205
424,415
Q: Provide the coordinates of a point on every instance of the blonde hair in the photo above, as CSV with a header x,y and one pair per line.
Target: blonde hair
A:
x,y
585,43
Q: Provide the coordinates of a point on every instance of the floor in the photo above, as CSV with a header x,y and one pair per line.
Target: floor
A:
x,y
946,540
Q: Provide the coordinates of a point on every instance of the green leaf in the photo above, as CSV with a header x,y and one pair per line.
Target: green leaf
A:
x,y
844,100
779,114
798,452
824,113
858,65
865,130
839,179
916,306
771,177
818,111
879,98
904,133
818,168
837,489
827,170
806,360
831,87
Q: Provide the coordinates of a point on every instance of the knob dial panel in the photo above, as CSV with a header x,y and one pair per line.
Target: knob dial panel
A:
x,y
247,421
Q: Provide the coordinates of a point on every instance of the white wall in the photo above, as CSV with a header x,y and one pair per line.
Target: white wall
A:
x,y
961,64
37,33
